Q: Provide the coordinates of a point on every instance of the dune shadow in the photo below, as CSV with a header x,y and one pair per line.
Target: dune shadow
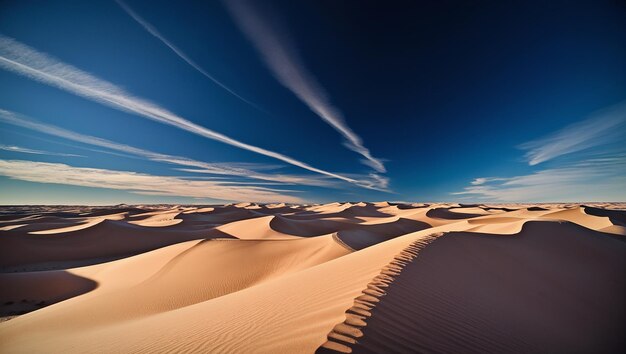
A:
x,y
103,242
26,292
617,217
445,213
553,287
363,236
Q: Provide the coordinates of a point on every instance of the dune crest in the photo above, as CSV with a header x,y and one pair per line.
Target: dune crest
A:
x,y
347,332
339,277
513,306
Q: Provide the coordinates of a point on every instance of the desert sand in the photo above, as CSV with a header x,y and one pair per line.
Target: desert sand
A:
x,y
341,277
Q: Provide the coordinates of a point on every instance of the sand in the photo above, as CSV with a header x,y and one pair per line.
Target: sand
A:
x,y
340,277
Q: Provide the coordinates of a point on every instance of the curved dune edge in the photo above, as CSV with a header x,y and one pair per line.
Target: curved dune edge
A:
x,y
25,292
256,228
344,334
272,292
341,243
71,228
555,287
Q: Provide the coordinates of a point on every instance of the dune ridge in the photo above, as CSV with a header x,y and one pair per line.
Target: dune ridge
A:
x,y
346,333
343,276
421,306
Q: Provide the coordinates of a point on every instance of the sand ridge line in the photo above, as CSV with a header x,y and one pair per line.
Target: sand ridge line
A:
x,y
346,333
340,242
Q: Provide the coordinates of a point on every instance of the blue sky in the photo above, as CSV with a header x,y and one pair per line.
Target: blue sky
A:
x,y
106,102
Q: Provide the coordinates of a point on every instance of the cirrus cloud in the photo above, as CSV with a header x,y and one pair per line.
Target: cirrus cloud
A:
x,y
13,148
283,60
23,60
603,128
595,169
44,172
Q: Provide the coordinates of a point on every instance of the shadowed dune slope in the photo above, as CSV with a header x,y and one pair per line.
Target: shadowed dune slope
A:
x,y
356,235
276,278
310,227
618,217
25,292
447,213
364,236
578,216
103,241
555,287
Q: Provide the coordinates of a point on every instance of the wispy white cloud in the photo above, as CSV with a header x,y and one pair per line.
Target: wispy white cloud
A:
x,y
483,180
24,150
596,179
602,128
246,170
141,183
594,171
21,59
283,60
372,181
154,32
380,181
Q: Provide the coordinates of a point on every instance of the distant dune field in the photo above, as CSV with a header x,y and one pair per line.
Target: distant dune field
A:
x,y
340,277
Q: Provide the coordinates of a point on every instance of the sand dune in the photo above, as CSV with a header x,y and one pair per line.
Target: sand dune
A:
x,y
157,218
255,229
34,290
347,277
616,216
200,272
449,213
21,250
470,292
367,235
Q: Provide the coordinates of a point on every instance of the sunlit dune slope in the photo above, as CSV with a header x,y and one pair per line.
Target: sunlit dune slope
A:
x,y
362,277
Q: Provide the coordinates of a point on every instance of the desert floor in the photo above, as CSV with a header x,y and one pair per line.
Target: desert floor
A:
x,y
340,277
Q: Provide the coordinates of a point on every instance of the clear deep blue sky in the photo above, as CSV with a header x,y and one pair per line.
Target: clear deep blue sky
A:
x,y
381,100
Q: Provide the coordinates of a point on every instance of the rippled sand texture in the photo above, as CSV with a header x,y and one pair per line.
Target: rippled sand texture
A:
x,y
340,277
